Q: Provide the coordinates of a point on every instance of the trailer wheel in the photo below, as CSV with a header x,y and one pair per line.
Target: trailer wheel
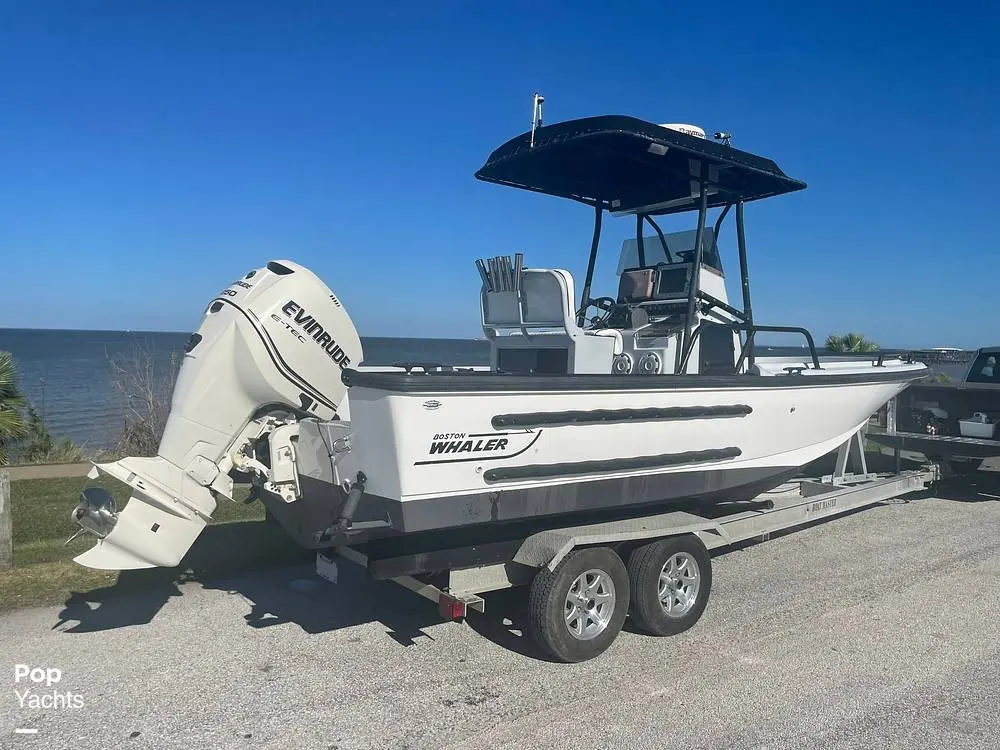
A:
x,y
578,609
671,580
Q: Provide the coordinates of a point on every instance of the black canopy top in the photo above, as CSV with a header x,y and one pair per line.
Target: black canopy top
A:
x,y
624,164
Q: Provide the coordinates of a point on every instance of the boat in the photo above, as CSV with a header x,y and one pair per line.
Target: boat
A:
x,y
592,406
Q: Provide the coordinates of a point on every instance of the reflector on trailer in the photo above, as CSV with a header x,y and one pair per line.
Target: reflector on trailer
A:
x,y
451,608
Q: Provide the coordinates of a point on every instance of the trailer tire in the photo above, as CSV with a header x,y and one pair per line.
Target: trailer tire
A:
x,y
671,580
590,583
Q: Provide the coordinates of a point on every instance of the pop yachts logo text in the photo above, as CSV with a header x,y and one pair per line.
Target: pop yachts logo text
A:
x,y
315,330
37,688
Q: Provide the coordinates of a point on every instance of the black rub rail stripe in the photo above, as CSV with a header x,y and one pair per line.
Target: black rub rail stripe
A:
x,y
489,382
610,416
542,471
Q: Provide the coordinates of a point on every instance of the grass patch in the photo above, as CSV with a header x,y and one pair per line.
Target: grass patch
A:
x,y
48,583
44,572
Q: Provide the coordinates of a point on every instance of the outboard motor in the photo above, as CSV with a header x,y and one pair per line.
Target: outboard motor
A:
x,y
269,352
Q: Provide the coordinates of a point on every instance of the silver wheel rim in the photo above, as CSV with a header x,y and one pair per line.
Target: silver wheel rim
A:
x,y
590,604
680,582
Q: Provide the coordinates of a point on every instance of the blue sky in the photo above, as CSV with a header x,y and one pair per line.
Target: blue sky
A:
x,y
153,152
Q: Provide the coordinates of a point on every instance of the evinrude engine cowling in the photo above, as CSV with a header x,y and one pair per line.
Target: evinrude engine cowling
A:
x,y
270,350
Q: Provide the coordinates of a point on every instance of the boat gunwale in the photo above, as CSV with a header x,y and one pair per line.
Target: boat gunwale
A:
x,y
492,382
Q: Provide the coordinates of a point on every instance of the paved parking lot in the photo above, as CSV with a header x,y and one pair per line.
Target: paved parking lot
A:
x,y
880,629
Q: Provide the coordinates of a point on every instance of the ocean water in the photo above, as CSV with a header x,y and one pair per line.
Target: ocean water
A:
x,y
68,375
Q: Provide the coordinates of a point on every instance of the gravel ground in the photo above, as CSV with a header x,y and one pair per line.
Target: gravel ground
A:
x,y
880,629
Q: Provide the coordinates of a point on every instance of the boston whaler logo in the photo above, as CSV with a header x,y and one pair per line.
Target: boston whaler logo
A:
x,y
449,447
459,442
315,330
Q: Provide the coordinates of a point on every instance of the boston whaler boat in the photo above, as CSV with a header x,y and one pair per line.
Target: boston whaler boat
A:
x,y
604,408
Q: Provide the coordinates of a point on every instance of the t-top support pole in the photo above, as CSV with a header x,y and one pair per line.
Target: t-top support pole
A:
x,y
581,315
688,340
745,278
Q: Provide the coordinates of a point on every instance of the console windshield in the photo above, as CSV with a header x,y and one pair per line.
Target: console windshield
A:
x,y
680,246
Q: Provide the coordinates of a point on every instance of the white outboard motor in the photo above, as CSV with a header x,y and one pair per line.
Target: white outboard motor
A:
x,y
269,352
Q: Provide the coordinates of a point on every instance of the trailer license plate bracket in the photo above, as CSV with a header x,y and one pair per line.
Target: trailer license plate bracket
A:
x,y
326,568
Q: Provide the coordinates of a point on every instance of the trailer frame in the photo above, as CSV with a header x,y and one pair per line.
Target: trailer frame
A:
x,y
798,503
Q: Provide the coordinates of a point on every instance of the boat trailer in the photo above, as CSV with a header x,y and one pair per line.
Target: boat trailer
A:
x,y
656,568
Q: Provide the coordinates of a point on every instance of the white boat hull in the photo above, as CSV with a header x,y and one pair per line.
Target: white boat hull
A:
x,y
437,458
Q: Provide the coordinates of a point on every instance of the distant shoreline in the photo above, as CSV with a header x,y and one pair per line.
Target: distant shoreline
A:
x,y
889,350
132,331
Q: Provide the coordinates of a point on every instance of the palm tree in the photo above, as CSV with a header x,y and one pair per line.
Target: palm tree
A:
x,y
850,343
11,401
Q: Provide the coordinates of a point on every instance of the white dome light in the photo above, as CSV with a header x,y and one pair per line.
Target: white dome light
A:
x,y
682,128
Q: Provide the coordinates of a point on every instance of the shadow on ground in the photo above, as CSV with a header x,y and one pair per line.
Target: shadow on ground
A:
x,y
221,551
974,487
281,586
284,589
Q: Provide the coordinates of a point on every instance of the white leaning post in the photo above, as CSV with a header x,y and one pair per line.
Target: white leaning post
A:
x,y
6,523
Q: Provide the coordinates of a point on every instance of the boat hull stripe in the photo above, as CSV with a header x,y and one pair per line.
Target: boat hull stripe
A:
x,y
612,416
543,471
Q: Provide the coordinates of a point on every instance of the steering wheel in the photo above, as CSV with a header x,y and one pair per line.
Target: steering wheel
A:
x,y
686,256
606,304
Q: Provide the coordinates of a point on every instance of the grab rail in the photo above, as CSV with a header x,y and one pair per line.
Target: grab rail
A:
x,y
753,329
746,352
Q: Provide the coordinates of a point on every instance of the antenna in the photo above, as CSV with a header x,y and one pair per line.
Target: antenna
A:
x,y
536,115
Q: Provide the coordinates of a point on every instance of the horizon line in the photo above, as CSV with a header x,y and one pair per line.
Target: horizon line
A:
x,y
188,333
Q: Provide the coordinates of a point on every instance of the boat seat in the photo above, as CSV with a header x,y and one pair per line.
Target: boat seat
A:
x,y
543,316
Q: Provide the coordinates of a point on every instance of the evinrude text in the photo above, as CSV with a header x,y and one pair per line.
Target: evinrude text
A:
x,y
314,329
